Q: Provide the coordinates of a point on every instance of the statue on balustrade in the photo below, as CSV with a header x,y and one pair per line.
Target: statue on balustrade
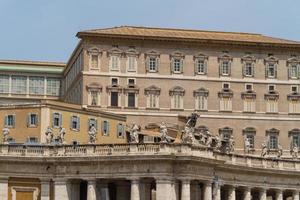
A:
x,y
264,150
134,133
61,136
279,151
189,129
192,120
218,143
164,133
247,145
5,132
92,134
208,139
230,145
295,151
49,135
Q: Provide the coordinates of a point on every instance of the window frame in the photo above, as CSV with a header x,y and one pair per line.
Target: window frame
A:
x,y
75,118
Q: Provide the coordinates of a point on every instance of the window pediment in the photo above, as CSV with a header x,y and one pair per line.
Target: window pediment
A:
x,y
225,93
152,53
272,131
201,92
293,96
271,59
115,51
177,90
152,90
132,52
293,60
94,86
94,51
248,59
225,130
272,95
249,130
177,55
114,88
225,57
200,56
294,131
248,95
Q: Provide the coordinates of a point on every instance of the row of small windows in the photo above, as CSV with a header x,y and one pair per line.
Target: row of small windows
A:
x,y
200,63
32,85
272,136
33,120
75,69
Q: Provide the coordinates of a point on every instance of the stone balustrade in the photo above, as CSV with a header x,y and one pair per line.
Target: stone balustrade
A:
x,y
254,161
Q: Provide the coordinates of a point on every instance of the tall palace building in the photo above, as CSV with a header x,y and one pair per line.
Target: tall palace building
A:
x,y
244,87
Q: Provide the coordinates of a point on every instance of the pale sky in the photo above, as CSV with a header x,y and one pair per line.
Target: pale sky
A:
x,y
45,29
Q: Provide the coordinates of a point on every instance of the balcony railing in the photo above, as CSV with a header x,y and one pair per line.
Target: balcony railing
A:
x,y
152,149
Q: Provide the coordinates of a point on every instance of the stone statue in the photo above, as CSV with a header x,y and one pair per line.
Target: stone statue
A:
x,y
247,145
218,142
192,120
209,140
230,146
164,133
295,151
92,134
49,135
134,133
188,135
5,132
61,136
279,151
264,150
203,137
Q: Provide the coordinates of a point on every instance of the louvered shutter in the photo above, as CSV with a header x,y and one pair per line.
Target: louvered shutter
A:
x,y
229,68
37,119
78,123
253,69
196,66
6,120
147,64
157,64
96,124
289,71
28,120
71,120
205,67
244,69
275,71
60,119
181,65
172,66
14,120
220,68
266,70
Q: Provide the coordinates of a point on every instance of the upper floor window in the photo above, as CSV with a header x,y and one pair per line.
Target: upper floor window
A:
x,y
200,63
75,123
36,85
94,61
225,64
225,96
177,63
4,84
201,96
120,130
177,94
114,62
248,65
131,64
57,120
293,65
53,86
272,135
105,128
94,90
152,60
32,140
294,100
32,120
294,134
152,93
271,66
19,84
250,133
9,121
225,133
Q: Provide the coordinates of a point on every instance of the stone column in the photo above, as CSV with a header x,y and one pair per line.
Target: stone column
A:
x,y
218,193
164,189
60,189
207,188
231,193
247,193
4,188
295,195
91,189
185,189
279,195
135,190
263,194
45,189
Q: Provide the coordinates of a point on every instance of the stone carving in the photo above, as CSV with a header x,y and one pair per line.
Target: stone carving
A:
x,y
92,134
208,139
230,145
192,120
5,132
49,135
218,142
247,145
264,150
189,129
279,151
164,133
61,136
134,133
294,151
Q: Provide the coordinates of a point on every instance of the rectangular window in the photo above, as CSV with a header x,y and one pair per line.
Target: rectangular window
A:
x,y
271,88
294,106
201,67
75,123
249,69
201,103
4,83
225,68
114,99
105,130
120,130
225,104
152,101
226,86
293,71
94,62
273,142
296,140
131,99
114,62
53,86
249,105
19,84
294,89
114,81
9,121
152,65
177,102
177,66
32,120
251,140
271,70
36,85
272,106
57,120
94,98
32,140
131,64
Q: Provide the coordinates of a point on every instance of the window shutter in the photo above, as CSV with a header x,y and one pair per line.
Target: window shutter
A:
x,y
196,66
244,69
71,120
14,120
157,64
275,73
96,124
266,70
53,116
172,66
78,123
6,120
60,119
205,67
298,70
107,127
28,120
181,65
220,68
289,71
37,120
253,69
147,64
229,68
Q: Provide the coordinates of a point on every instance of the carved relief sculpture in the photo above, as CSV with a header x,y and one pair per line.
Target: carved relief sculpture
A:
x,y
164,133
49,135
5,132
134,133
92,134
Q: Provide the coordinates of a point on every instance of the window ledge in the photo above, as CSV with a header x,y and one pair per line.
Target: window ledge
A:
x,y
272,112
199,110
76,130
250,112
152,108
225,111
32,126
134,108
114,107
177,109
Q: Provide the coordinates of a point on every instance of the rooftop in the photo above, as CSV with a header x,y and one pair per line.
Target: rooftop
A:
x,y
184,34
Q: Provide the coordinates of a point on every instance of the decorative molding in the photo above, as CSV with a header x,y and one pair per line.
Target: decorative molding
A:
x,y
94,51
16,189
201,92
114,88
132,52
272,131
294,131
177,54
248,95
177,90
293,96
271,59
152,53
114,51
248,59
94,87
293,60
272,96
225,93
200,56
225,57
249,130
152,90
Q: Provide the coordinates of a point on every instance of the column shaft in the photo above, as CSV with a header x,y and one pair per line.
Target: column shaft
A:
x,y
135,190
295,195
60,190
247,194
231,193
4,188
164,190
45,189
91,190
263,194
279,195
207,191
218,193
185,190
